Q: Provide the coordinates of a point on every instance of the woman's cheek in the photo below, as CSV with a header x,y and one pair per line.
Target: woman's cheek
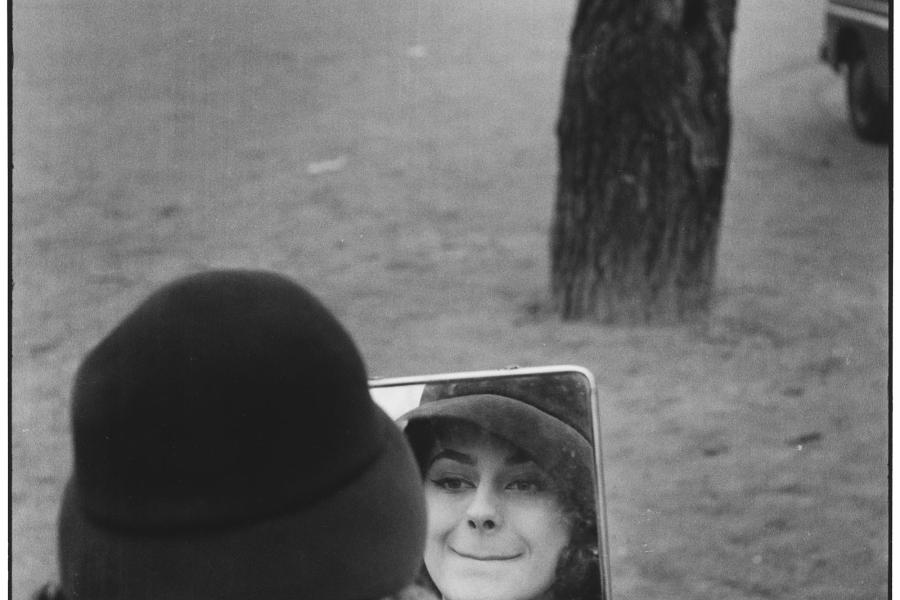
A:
x,y
443,509
545,518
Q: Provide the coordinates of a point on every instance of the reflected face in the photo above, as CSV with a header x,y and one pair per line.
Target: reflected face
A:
x,y
496,527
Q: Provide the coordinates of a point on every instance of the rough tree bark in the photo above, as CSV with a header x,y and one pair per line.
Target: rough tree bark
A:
x,y
644,133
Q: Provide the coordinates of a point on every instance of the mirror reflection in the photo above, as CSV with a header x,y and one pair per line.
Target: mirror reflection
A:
x,y
511,482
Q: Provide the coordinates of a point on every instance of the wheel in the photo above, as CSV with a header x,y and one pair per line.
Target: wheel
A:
x,y
869,114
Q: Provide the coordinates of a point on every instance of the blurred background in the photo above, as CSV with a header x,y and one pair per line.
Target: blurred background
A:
x,y
398,158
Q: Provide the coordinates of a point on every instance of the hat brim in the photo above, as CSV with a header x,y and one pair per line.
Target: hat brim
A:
x,y
548,440
364,541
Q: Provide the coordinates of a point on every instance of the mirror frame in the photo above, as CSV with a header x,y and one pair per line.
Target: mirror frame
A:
x,y
513,371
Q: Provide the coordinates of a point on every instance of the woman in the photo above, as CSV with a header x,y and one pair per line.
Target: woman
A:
x,y
508,476
226,447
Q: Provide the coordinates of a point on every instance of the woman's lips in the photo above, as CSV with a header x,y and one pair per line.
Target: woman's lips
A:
x,y
485,556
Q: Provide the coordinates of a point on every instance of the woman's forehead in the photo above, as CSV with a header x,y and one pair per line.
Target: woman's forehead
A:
x,y
464,437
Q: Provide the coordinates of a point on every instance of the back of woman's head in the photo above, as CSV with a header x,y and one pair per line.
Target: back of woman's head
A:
x,y
226,446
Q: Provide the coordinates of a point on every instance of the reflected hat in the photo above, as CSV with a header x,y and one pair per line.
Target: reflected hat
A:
x,y
548,416
226,447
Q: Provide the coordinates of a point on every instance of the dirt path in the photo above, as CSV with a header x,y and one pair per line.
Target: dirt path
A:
x,y
745,458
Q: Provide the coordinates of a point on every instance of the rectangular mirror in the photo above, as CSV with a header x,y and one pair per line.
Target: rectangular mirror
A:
x,y
512,470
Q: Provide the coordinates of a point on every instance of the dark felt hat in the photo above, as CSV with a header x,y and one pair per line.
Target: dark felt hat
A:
x,y
226,446
548,416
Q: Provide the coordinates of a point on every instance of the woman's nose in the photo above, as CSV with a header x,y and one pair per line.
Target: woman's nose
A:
x,y
484,512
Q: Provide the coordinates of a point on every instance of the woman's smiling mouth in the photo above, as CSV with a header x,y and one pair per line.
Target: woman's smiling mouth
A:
x,y
485,557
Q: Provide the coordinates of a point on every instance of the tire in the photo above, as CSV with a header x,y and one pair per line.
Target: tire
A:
x,y
869,114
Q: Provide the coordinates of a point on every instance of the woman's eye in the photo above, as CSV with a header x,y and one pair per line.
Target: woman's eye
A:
x,y
525,485
452,484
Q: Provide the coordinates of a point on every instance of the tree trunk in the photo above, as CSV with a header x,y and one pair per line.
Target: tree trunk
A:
x,y
644,133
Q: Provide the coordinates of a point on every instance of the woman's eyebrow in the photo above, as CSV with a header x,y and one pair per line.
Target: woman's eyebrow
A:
x,y
453,455
520,457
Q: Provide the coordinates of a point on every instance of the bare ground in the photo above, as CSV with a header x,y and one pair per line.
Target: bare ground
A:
x,y
745,457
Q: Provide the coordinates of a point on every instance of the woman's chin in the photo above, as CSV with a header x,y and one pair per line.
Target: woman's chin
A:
x,y
488,584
